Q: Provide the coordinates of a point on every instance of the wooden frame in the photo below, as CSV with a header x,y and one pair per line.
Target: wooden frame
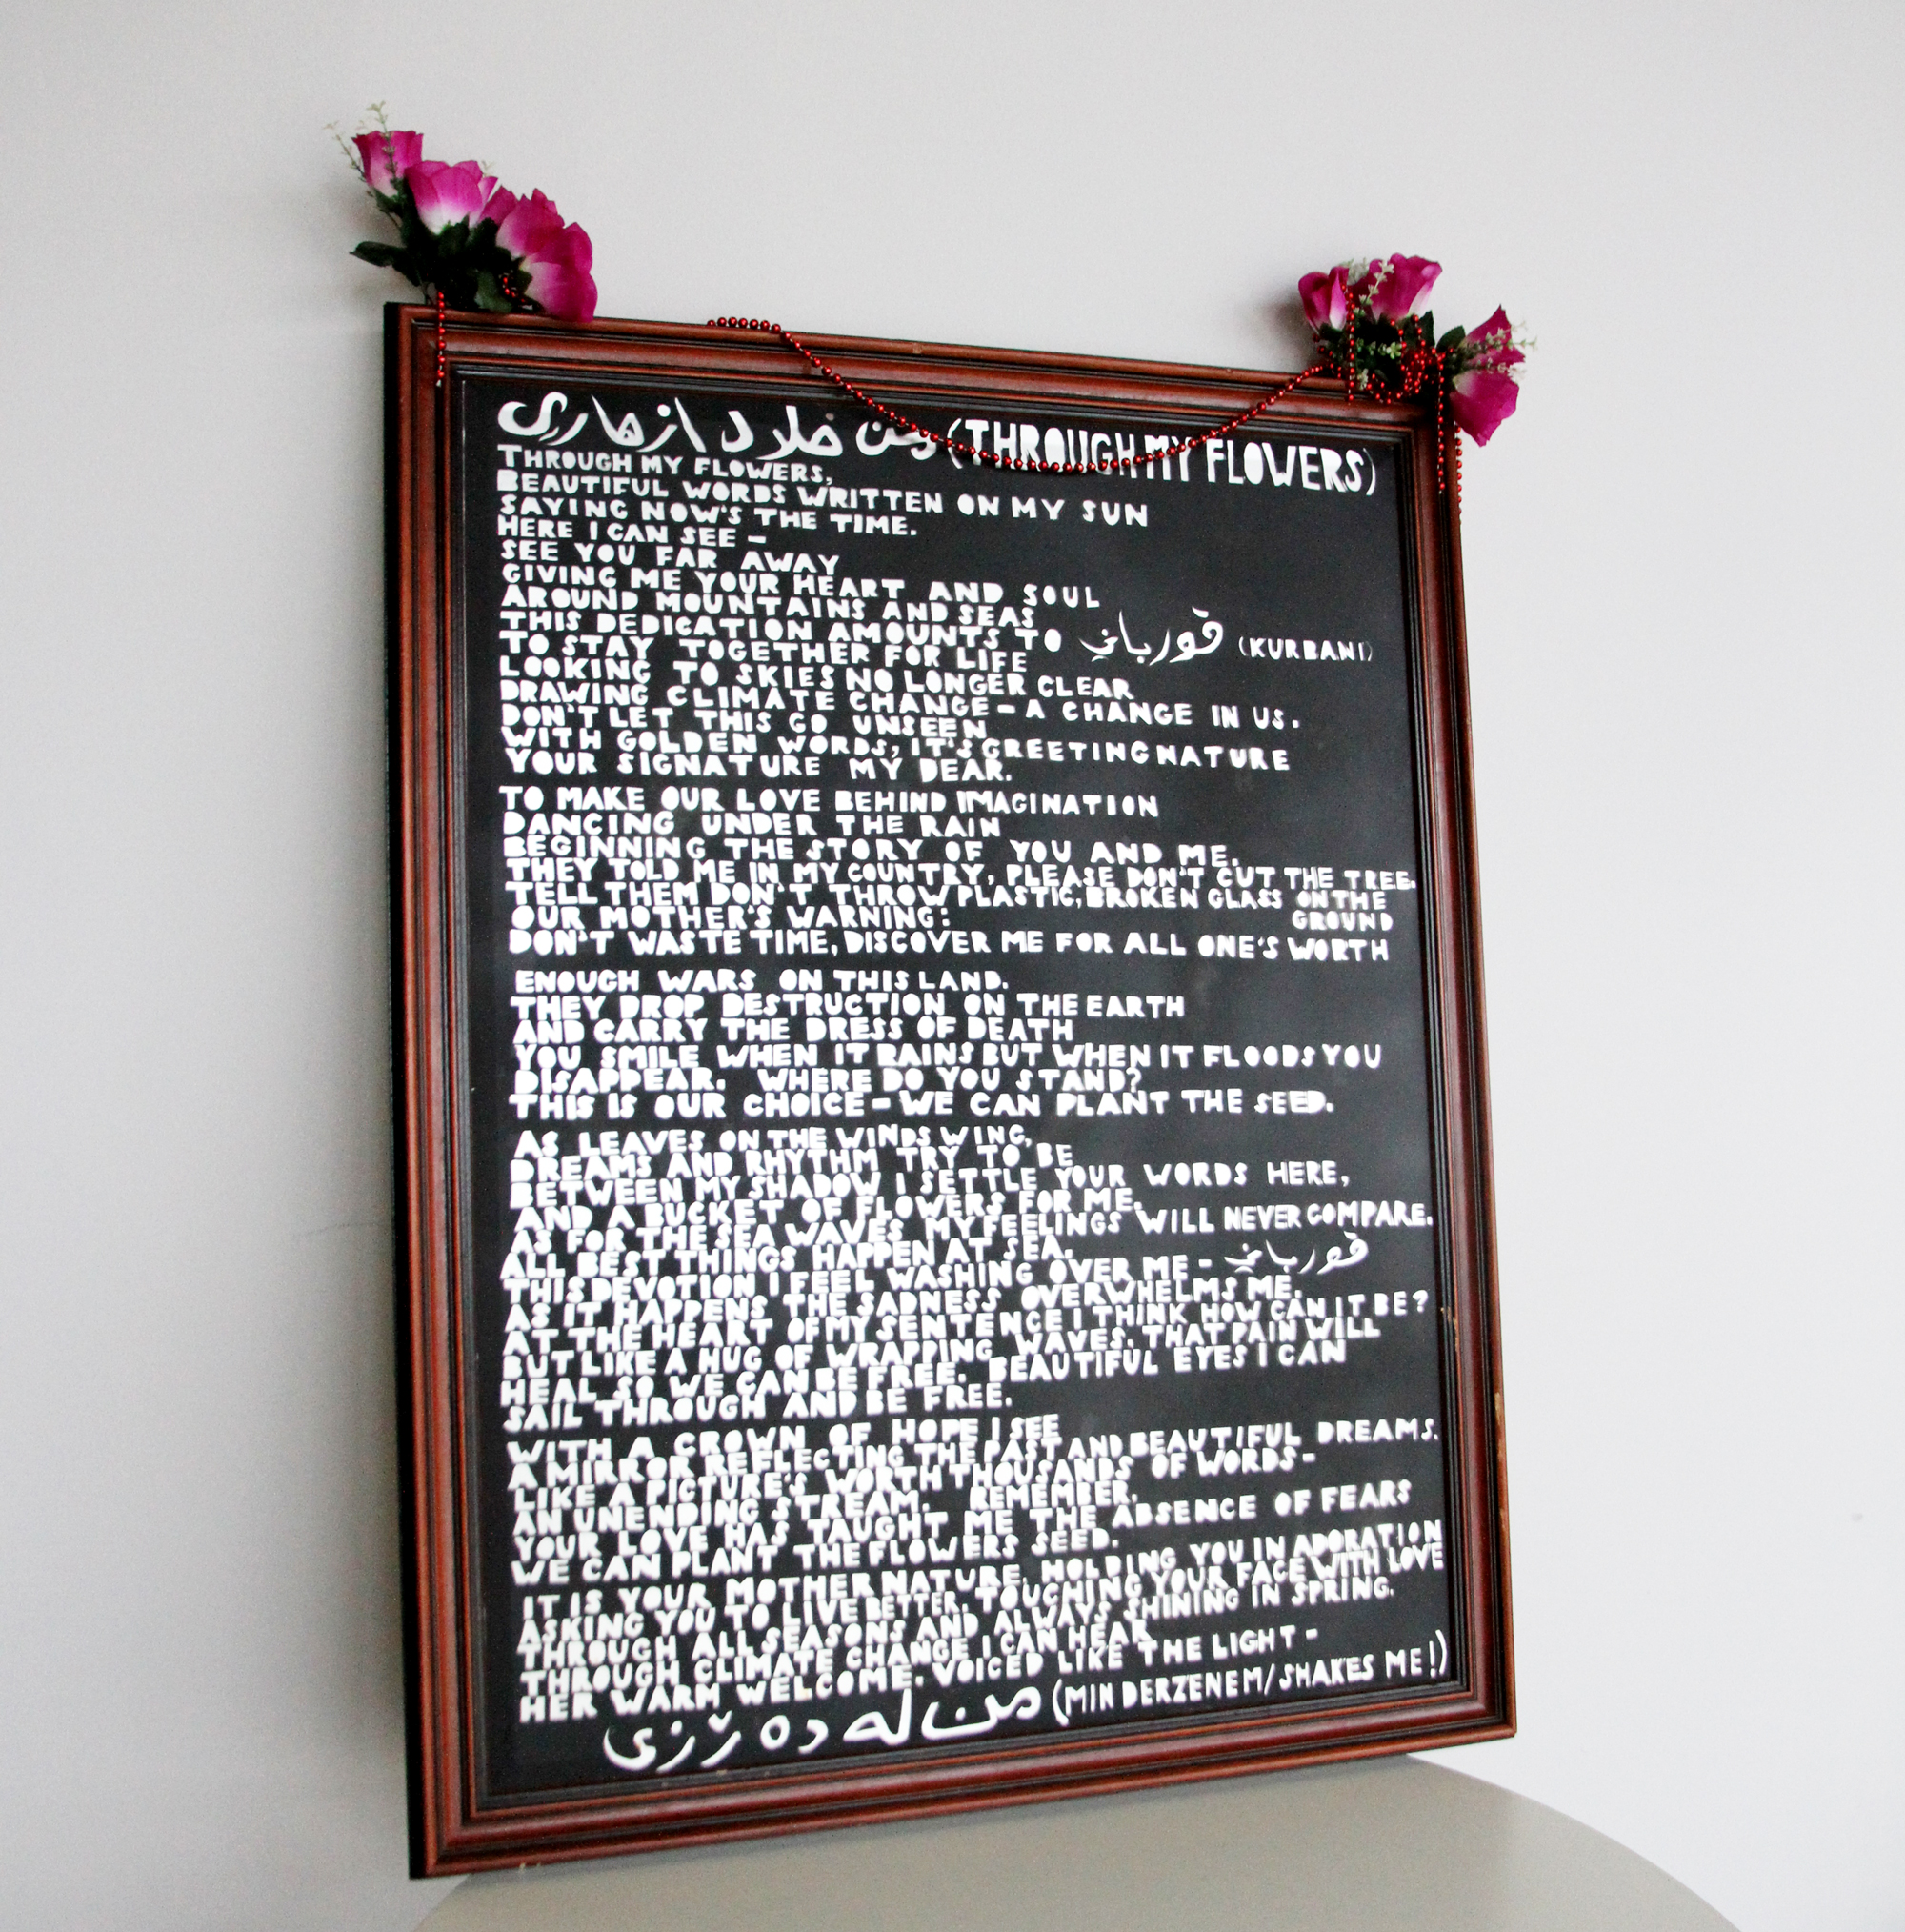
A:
x,y
462,1817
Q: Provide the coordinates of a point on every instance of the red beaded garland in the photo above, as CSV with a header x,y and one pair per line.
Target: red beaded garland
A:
x,y
953,446
1421,358
1421,362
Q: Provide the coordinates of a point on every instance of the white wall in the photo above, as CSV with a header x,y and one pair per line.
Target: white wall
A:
x,y
1685,606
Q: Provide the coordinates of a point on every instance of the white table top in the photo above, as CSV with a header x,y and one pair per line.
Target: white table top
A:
x,y
1388,1844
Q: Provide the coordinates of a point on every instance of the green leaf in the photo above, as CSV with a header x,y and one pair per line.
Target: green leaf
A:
x,y
1453,339
385,255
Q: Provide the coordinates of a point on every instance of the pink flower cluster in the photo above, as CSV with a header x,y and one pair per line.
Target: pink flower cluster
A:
x,y
1392,288
553,259
1382,297
1483,395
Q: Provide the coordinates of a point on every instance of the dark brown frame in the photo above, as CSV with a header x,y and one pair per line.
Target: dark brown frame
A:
x,y
452,1830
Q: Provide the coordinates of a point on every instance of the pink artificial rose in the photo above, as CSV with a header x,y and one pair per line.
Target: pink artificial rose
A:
x,y
387,156
555,258
1398,285
1326,298
499,207
1492,343
1483,399
446,195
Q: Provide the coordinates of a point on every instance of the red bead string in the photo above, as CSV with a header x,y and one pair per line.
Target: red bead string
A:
x,y
1111,467
1422,365
1420,360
